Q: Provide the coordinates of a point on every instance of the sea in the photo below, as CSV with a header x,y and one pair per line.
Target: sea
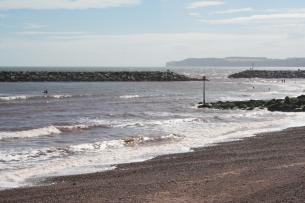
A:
x,y
85,127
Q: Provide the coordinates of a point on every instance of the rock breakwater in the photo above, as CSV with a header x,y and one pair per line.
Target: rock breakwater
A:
x,y
44,76
293,104
269,74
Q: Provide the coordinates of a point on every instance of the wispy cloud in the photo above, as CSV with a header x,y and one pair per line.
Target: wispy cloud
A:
x,y
64,4
51,34
204,4
33,26
263,18
249,9
194,14
231,11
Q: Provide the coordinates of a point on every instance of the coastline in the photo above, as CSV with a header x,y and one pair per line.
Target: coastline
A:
x,y
266,168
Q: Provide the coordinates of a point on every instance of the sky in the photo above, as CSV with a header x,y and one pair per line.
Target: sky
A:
x,y
147,32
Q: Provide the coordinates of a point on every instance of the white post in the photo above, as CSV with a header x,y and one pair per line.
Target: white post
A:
x,y
203,99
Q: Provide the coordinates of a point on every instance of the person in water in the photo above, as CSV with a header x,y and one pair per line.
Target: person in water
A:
x,y
45,92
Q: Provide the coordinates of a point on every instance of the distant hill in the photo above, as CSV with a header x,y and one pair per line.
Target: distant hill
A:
x,y
239,62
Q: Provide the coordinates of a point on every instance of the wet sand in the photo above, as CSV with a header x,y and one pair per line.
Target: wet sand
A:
x,y
266,168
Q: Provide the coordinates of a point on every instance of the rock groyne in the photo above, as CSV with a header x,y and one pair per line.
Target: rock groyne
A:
x,y
45,76
293,104
269,74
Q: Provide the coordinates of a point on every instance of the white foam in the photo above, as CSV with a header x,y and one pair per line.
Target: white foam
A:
x,y
30,133
142,123
60,96
51,130
81,126
129,96
99,146
9,98
170,124
25,97
86,163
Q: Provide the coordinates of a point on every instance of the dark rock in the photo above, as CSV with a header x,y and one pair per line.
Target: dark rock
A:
x,y
14,76
269,74
288,104
204,105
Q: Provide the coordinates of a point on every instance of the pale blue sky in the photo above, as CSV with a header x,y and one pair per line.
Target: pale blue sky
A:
x,y
146,32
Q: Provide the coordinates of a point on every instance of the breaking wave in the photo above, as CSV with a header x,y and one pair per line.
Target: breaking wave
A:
x,y
129,96
30,133
9,98
47,153
25,97
48,131
87,124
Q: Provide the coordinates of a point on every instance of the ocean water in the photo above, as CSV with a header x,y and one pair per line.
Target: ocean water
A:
x,y
85,127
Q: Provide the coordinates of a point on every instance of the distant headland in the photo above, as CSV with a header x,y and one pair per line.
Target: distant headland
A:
x,y
238,62
45,76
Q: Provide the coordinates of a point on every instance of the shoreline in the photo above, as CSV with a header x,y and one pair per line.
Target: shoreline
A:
x,y
266,167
